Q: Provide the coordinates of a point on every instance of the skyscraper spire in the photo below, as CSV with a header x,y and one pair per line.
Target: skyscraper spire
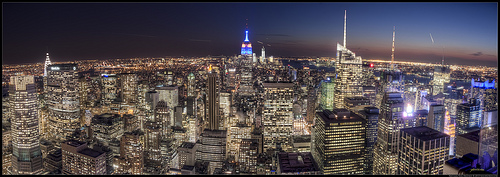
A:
x,y
47,63
392,56
246,31
345,19
246,46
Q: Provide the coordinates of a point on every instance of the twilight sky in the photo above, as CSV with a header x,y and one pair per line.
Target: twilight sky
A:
x,y
466,33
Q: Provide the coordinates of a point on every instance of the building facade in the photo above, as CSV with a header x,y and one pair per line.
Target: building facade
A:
x,y
62,100
26,152
422,151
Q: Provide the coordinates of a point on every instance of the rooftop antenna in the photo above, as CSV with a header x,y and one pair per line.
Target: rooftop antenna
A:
x,y
392,56
345,19
246,30
442,60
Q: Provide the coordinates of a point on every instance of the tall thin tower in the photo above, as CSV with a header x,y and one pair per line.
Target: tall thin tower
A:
x,y
47,63
392,55
345,33
26,154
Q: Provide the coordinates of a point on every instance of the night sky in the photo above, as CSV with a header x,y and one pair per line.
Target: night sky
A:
x,y
466,32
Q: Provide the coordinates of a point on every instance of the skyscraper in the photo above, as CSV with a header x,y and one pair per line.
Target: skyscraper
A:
x,y
349,74
110,88
26,153
370,114
78,159
62,100
486,92
327,94
129,87
440,77
391,120
468,116
277,115
436,118
246,46
263,56
191,85
339,142
132,152
422,151
47,63
213,106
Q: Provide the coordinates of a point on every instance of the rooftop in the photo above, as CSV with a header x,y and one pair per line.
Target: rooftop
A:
x,y
188,145
329,116
277,85
91,152
474,136
424,133
297,162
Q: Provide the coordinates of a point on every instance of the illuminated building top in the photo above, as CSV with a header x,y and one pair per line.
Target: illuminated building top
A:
x,y
485,84
246,46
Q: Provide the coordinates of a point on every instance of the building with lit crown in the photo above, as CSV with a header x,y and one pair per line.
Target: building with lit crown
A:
x,y
26,152
391,120
62,100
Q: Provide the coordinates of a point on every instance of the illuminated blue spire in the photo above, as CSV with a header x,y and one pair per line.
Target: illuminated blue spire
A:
x,y
246,35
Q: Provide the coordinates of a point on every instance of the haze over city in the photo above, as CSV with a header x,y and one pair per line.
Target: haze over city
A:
x,y
462,33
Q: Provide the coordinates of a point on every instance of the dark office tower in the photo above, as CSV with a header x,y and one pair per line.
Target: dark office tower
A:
x,y
370,92
422,151
132,153
130,122
178,116
277,116
370,114
213,101
26,153
99,147
110,88
231,77
468,116
212,148
162,117
390,122
129,87
436,117
191,106
350,102
106,127
152,139
486,92
339,142
62,100
421,117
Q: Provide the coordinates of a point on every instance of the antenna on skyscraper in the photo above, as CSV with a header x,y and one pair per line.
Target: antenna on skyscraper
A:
x,y
392,56
442,60
345,19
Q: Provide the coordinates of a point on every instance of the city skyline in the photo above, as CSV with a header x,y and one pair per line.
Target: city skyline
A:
x,y
464,33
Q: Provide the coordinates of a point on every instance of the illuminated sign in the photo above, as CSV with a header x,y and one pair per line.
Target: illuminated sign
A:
x,y
54,68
